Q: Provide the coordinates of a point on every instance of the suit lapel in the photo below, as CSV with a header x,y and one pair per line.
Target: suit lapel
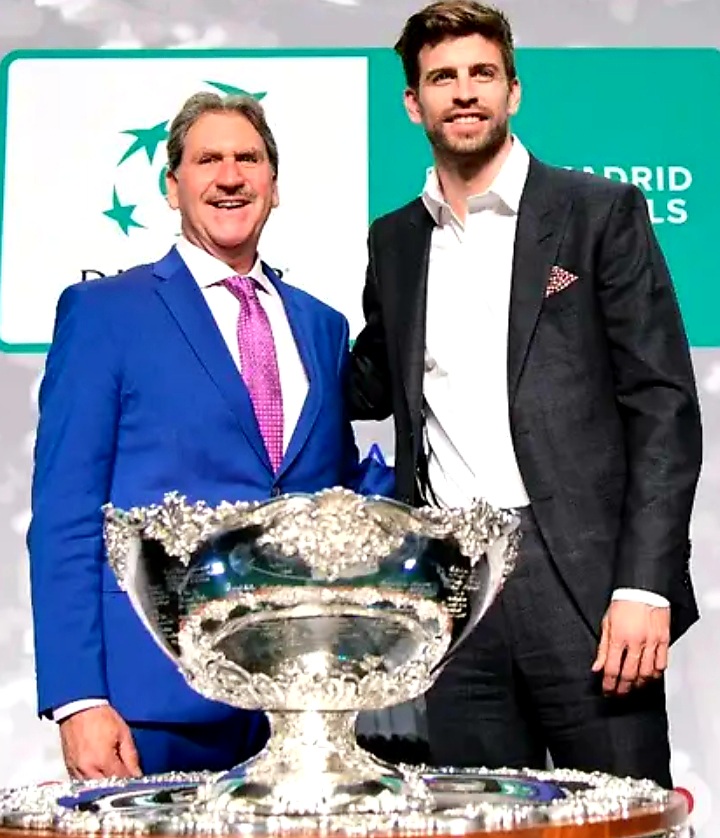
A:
x,y
302,332
541,219
182,296
411,303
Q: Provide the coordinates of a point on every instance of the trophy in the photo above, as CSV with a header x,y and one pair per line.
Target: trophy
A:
x,y
311,608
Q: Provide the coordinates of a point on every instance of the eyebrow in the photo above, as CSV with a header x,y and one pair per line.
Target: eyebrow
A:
x,y
256,151
480,65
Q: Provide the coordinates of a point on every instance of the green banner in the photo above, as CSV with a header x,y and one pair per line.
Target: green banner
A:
x,y
637,115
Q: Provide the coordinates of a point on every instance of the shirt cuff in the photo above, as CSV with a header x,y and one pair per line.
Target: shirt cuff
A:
x,y
67,710
639,595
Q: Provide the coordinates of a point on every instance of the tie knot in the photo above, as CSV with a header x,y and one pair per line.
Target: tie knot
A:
x,y
241,286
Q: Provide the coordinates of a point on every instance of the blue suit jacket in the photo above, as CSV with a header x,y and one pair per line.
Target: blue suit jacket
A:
x,y
141,397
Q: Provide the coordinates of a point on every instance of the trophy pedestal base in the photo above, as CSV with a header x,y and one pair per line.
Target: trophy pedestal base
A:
x,y
312,765
497,804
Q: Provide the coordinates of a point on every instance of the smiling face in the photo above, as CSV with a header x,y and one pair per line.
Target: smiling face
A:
x,y
464,99
224,187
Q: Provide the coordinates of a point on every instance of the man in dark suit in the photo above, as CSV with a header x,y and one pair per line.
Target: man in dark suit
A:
x,y
522,329
202,373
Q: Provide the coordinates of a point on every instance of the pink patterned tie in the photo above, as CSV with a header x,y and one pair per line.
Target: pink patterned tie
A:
x,y
258,361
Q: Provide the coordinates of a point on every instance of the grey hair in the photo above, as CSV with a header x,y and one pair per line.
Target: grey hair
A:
x,y
200,104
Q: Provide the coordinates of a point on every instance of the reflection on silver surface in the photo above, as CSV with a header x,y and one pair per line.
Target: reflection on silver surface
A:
x,y
312,608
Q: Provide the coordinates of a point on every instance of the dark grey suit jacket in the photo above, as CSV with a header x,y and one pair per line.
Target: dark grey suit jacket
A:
x,y
603,407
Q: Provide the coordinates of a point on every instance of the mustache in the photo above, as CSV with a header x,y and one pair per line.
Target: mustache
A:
x,y
241,193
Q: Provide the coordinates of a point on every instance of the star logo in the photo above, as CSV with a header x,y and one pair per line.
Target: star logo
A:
x,y
147,140
122,214
229,90
146,143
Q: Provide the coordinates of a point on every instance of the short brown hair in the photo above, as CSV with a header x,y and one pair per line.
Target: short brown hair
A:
x,y
201,103
453,19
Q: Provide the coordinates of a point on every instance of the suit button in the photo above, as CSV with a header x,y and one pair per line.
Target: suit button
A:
x,y
275,492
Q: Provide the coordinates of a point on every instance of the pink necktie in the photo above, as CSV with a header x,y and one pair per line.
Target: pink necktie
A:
x,y
258,361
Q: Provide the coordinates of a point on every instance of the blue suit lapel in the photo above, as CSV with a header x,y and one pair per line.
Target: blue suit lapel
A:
x,y
183,297
301,328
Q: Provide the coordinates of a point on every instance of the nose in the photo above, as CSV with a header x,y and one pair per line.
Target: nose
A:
x,y
464,93
229,174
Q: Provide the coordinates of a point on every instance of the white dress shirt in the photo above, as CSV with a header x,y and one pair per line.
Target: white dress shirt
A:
x,y
225,307
470,446
468,436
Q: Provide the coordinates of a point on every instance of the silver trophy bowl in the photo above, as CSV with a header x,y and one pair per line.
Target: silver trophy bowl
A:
x,y
311,608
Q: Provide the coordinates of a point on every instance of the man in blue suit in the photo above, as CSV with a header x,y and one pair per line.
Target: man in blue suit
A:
x,y
151,386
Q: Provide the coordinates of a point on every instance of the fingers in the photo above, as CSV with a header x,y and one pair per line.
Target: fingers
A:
x,y
602,652
646,670
128,755
630,669
97,744
661,659
633,646
613,667
98,765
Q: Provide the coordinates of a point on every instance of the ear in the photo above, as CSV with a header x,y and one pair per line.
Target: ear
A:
x,y
514,97
275,200
172,189
412,105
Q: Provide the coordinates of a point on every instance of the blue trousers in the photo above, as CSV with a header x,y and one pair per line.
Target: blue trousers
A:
x,y
216,746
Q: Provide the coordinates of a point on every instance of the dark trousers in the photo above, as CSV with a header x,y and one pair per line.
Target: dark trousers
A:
x,y
522,686
218,746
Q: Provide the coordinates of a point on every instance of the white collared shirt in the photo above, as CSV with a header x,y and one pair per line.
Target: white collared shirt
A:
x,y
469,441
224,307
470,446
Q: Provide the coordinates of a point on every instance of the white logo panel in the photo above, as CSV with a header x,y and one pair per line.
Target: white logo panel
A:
x,y
82,172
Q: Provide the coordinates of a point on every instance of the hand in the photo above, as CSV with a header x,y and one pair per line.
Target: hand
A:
x,y
97,743
633,645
